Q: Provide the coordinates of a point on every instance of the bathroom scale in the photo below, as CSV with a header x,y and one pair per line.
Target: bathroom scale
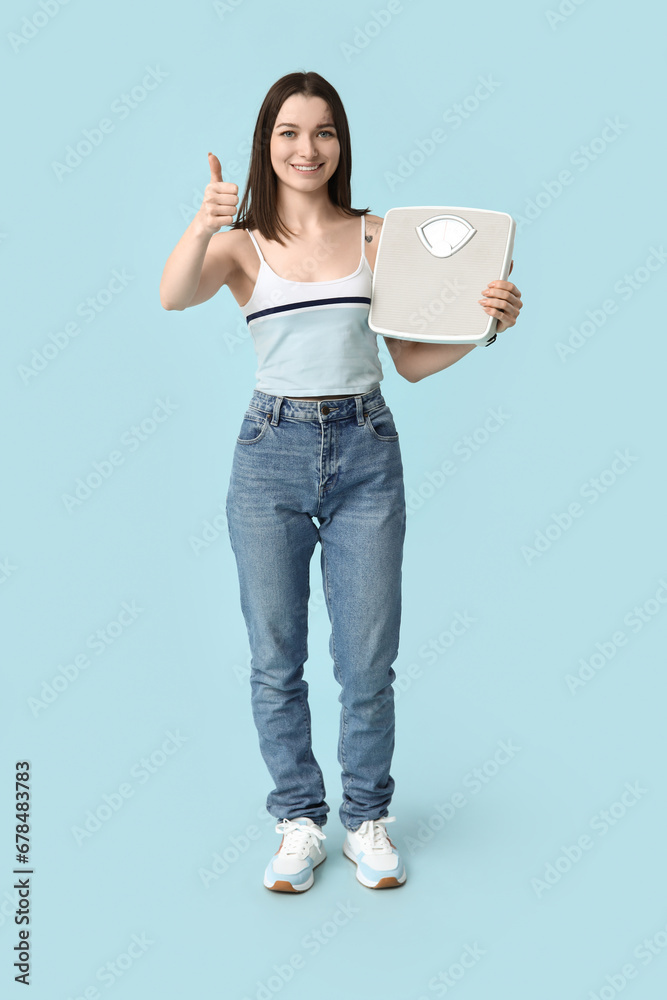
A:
x,y
431,265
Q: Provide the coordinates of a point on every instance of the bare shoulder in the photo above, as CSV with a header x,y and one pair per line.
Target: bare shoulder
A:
x,y
373,229
227,244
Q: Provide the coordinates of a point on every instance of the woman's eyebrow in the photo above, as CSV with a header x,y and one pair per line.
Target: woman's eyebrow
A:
x,y
292,125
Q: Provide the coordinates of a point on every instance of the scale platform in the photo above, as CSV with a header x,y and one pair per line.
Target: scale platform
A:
x,y
431,265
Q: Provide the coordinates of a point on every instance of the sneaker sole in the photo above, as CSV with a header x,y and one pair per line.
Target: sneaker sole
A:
x,y
388,882
282,885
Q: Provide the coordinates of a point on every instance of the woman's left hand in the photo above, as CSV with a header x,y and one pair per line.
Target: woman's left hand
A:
x,y
503,300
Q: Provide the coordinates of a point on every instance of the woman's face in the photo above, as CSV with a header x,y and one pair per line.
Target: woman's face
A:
x,y
304,134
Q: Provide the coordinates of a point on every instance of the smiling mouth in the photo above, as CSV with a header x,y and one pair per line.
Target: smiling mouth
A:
x,y
303,168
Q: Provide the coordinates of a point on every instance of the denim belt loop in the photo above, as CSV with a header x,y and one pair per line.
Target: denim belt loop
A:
x,y
276,409
360,410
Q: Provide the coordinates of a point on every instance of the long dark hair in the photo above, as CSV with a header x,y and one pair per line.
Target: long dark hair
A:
x,y
258,209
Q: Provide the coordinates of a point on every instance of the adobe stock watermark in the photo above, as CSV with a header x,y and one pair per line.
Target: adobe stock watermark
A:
x,y
98,642
591,490
303,269
223,8
88,309
432,650
104,468
474,781
316,605
464,449
565,10
32,24
115,969
237,845
312,943
601,823
444,981
240,334
639,616
454,117
364,34
7,569
450,291
298,272
9,905
581,158
212,529
626,286
645,952
113,802
122,107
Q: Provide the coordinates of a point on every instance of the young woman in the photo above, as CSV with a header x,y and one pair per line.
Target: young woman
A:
x,y
317,459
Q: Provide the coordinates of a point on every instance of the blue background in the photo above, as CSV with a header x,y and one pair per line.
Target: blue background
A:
x,y
478,875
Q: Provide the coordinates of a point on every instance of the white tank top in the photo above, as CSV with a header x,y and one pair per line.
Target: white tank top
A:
x,y
312,338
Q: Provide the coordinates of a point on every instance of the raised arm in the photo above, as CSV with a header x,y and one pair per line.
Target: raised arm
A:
x,y
202,260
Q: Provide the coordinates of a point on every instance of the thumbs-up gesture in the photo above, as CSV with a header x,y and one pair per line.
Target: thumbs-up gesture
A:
x,y
220,199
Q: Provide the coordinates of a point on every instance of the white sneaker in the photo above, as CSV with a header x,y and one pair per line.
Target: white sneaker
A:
x,y
379,865
301,850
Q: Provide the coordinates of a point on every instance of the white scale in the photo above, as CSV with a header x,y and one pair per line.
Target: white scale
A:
x,y
431,265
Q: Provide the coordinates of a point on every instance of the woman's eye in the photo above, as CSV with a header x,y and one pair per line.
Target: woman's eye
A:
x,y
324,130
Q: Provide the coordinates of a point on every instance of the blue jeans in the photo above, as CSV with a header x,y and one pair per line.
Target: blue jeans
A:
x,y
338,463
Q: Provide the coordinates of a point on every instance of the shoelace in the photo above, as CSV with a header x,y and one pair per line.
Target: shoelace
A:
x,y
374,835
297,836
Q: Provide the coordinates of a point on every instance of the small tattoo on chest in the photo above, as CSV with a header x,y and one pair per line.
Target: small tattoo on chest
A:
x,y
368,239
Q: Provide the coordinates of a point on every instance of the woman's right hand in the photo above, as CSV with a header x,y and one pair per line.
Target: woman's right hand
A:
x,y
220,199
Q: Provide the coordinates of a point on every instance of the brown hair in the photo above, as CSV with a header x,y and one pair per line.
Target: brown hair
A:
x,y
258,209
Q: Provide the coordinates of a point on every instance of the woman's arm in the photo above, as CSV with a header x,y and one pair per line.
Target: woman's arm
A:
x,y
183,271
415,359
203,259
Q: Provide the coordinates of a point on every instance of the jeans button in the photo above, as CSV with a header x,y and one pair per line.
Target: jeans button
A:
x,y
325,410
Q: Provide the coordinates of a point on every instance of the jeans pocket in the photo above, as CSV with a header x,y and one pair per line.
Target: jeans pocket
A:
x,y
253,427
380,423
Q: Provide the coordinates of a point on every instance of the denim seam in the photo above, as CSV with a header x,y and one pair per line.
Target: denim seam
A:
x,y
341,746
380,437
343,721
304,705
261,434
309,735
